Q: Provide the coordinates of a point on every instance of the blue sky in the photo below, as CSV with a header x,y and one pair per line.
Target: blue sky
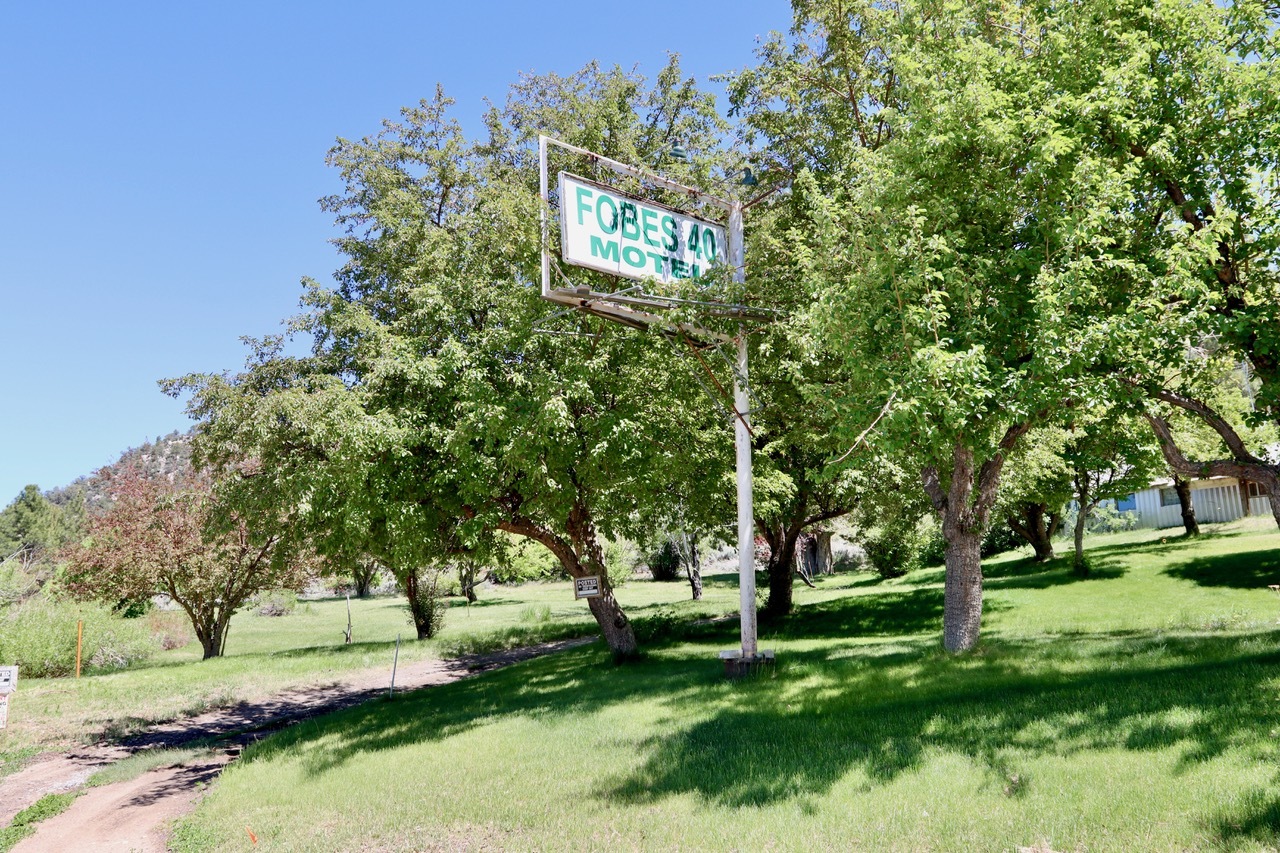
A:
x,y
160,165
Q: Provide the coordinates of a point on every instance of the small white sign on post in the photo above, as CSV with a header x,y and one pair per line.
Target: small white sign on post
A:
x,y
607,230
8,679
588,587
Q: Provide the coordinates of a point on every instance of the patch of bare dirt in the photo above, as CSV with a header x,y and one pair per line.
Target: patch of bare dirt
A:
x,y
137,814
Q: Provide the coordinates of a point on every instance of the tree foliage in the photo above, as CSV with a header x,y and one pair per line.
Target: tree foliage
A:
x,y
176,539
430,416
1006,213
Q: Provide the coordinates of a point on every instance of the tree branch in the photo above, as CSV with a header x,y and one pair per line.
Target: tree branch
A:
x,y
933,487
989,474
1229,436
1244,470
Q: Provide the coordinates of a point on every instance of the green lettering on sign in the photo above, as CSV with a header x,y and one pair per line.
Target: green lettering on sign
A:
x,y
584,202
612,224
601,249
630,221
648,219
669,229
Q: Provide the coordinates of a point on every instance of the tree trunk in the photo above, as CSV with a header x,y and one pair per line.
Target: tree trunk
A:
x,y
467,572
614,625
1183,488
807,557
962,608
1084,483
363,574
826,563
213,638
780,568
1078,563
965,507
212,648
1036,530
693,567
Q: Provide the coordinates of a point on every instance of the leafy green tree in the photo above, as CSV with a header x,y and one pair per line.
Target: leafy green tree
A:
x,y
1008,212
1037,488
430,416
1109,456
1173,245
796,487
30,523
924,234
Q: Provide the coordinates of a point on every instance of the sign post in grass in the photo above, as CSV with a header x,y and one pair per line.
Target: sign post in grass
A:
x,y
391,691
8,684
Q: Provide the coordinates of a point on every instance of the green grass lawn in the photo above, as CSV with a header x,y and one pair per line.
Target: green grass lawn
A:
x,y
1136,710
266,655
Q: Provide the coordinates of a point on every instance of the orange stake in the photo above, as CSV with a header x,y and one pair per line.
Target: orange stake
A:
x,y
79,642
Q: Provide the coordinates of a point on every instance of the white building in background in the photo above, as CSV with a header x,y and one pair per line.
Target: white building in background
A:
x,y
1215,499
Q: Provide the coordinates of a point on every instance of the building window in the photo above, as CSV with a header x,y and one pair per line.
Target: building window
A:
x,y
1169,497
1257,490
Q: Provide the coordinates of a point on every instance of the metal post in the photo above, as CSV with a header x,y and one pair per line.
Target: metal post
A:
x,y
391,691
742,442
544,194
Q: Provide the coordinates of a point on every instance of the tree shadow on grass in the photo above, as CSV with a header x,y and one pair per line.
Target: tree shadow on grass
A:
x,y
1058,573
868,712
459,603
880,723
1257,820
1174,544
1248,570
852,616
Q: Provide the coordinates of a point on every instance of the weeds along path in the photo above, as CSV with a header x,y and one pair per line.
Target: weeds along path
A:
x,y
137,814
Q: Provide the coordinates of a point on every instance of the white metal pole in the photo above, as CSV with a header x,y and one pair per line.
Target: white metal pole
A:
x,y
742,442
542,216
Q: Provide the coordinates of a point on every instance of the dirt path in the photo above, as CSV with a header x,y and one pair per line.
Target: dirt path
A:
x,y
138,814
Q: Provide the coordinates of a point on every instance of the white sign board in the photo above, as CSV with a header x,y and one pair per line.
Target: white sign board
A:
x,y
606,230
8,679
4,710
588,587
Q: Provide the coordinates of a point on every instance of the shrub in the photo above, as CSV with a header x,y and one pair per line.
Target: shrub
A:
x,y
1000,538
1104,519
39,635
275,602
171,629
1107,519
527,561
903,545
16,583
424,587
620,560
664,564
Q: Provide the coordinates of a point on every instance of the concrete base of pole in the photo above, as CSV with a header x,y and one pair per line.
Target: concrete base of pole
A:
x,y
738,666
